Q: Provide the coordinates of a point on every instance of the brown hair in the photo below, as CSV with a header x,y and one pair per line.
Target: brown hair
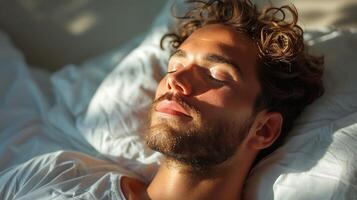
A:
x,y
289,76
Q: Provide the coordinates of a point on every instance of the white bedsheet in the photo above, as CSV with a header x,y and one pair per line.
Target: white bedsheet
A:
x,y
38,109
63,175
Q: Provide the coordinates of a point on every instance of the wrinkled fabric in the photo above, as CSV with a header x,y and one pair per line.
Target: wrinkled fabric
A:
x,y
63,175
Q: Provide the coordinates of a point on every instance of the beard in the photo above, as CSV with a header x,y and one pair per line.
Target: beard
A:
x,y
198,143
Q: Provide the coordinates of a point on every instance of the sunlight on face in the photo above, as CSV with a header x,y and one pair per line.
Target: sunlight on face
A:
x,y
203,107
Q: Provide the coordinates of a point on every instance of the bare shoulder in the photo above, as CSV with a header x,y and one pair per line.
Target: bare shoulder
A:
x,y
133,189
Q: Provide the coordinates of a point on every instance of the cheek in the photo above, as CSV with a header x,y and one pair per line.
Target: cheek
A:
x,y
225,102
221,98
160,90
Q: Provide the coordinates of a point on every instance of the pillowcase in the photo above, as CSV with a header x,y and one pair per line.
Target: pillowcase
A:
x,y
115,119
316,156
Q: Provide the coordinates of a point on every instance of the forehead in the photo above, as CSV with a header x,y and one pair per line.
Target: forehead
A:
x,y
225,41
222,33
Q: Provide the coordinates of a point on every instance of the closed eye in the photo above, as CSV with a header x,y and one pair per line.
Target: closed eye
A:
x,y
174,66
219,75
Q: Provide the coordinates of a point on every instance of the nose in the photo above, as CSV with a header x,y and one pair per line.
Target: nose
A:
x,y
179,82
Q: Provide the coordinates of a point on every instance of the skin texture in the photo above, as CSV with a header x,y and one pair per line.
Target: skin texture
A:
x,y
215,92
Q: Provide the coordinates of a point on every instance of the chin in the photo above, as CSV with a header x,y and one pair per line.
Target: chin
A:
x,y
197,148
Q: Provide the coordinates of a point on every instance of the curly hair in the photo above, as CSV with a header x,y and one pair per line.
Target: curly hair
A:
x,y
290,78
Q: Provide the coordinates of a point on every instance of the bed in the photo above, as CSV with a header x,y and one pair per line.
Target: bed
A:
x,y
99,108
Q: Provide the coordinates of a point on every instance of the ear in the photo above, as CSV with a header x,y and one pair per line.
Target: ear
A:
x,y
265,130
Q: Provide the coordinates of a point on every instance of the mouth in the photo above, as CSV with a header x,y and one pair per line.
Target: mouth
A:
x,y
171,108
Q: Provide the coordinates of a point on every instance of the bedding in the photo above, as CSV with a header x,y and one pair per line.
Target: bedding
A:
x,y
37,109
101,111
63,175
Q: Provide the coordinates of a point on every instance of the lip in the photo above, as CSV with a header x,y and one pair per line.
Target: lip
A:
x,y
171,108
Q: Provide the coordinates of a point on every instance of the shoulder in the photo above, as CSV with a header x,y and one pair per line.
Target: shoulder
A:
x,y
132,188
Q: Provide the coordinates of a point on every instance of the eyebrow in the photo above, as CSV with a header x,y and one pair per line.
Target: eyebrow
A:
x,y
213,58
179,53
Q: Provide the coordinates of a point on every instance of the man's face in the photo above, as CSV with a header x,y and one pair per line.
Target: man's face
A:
x,y
203,106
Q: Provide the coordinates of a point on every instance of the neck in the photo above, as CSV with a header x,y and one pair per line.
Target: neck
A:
x,y
177,181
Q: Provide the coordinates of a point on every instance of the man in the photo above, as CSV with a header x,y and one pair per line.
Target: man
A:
x,y
236,81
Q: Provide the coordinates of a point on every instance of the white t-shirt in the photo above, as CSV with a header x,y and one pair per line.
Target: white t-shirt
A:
x,y
63,175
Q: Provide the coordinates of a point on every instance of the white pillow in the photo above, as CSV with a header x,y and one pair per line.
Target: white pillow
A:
x,y
318,159
316,156
117,113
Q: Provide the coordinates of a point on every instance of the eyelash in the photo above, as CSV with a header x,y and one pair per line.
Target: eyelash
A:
x,y
209,74
215,79
172,71
174,67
